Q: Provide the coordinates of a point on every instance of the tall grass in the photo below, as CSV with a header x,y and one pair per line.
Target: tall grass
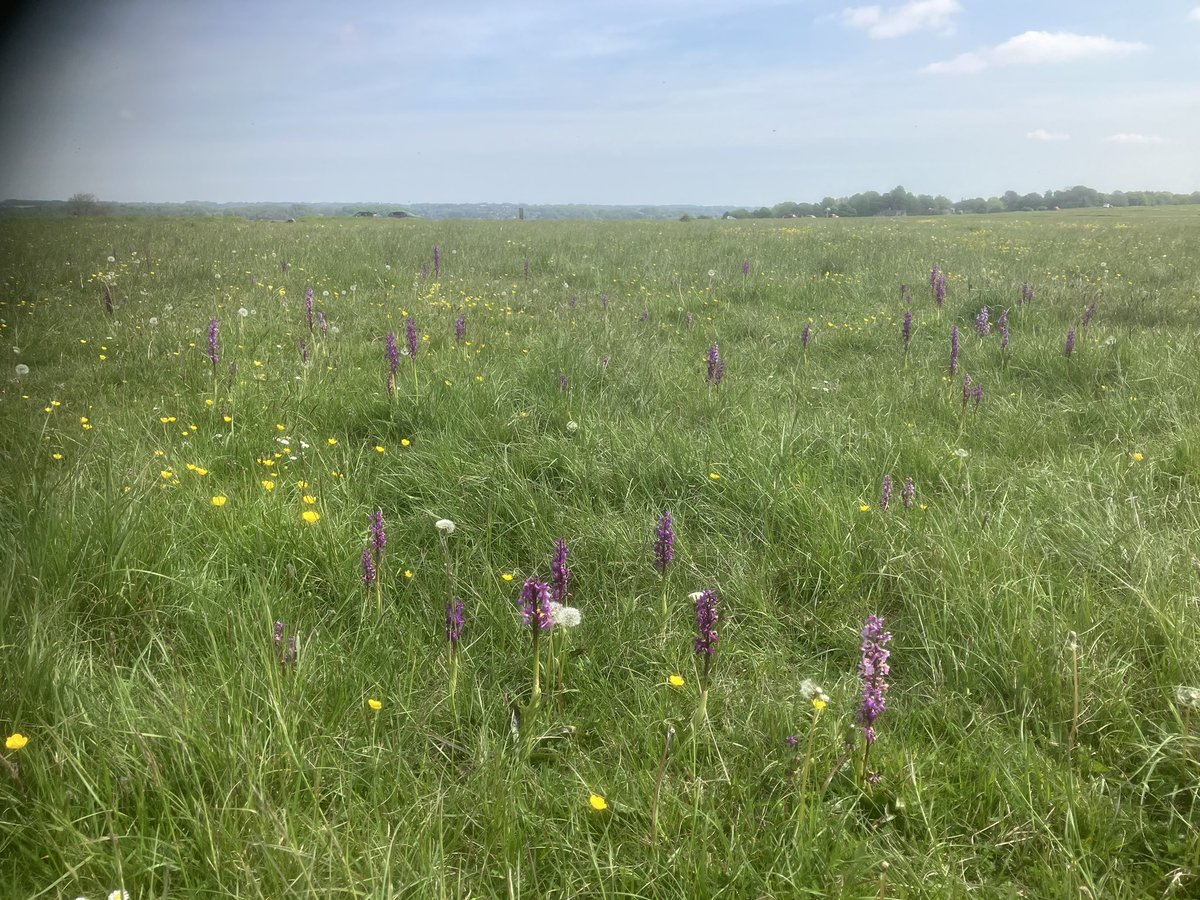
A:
x,y
172,754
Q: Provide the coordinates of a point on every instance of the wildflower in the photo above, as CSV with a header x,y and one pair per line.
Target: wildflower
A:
x,y
714,476
906,329
309,499
565,616
118,895
56,456
1090,312
455,622
214,348
393,352
909,493
885,497
982,327
874,670
977,394
598,803
1137,456
507,576
793,741
369,573
966,390
379,448
408,573
303,350
572,427
806,335
563,382
1187,697
16,741
311,516
716,365
706,623
535,605
746,267
332,442
939,289
376,705
864,507
1027,293
445,526
413,342
243,312
1002,324
675,680
22,369
405,442
378,535
437,261
664,542
308,308
561,574
268,485
954,350
323,322
460,328
1070,347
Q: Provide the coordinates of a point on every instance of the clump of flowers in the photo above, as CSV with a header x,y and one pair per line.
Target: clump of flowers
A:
x,y
874,669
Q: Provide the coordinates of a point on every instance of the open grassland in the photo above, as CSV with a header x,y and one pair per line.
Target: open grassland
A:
x,y
161,512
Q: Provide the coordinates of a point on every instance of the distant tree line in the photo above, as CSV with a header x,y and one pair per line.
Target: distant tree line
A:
x,y
899,202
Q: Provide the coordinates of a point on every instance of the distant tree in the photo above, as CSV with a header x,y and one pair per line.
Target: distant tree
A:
x,y
83,205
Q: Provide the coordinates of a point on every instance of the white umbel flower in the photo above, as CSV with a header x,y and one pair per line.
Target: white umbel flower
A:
x,y
445,526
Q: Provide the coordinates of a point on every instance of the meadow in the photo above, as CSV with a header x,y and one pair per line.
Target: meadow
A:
x,y
217,678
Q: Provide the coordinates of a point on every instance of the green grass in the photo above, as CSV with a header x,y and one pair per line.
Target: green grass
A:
x,y
170,752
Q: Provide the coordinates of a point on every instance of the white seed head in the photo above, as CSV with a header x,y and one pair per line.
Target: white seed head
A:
x,y
572,427
445,526
1188,697
22,369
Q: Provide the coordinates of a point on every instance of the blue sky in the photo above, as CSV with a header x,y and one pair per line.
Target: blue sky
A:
x,y
738,102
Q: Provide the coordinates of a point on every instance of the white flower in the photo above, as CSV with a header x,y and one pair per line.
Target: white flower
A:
x,y
243,312
1188,696
17,350
445,526
118,894
712,273
112,259
153,321
22,369
565,616
217,275
694,596
961,453
572,427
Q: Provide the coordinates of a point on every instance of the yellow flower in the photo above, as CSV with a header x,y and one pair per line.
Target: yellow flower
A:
x,y
83,420
408,573
269,485
375,704
405,442
714,476
598,803
311,516
507,576
380,449
302,484
16,741
167,474
1138,456
160,453
56,456
220,500
208,402
864,507
226,419
819,703
279,427
676,680
332,442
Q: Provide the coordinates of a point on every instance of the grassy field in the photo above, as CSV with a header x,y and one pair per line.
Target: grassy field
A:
x,y
160,513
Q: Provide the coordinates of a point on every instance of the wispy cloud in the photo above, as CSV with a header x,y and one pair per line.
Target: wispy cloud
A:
x,y
1128,138
1036,48
1041,134
896,21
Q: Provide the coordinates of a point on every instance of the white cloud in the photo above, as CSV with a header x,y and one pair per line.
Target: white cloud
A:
x,y
1041,134
1127,138
1194,15
1034,48
895,21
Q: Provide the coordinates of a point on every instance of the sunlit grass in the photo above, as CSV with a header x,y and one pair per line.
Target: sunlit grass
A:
x,y
158,519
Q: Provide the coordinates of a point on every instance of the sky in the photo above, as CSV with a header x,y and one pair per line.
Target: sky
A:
x,y
716,102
